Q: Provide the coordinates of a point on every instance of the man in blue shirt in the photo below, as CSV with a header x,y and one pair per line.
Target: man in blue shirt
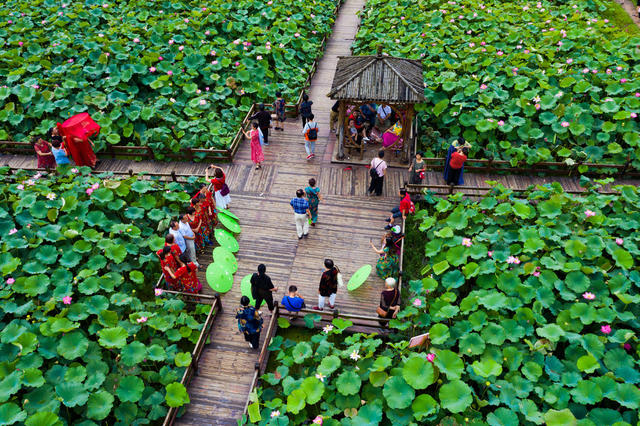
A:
x,y
301,214
177,235
293,302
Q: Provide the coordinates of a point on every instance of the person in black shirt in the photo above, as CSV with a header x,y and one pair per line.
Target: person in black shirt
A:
x,y
305,109
264,122
333,117
262,287
328,285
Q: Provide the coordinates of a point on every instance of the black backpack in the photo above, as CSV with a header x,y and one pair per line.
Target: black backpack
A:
x,y
305,109
312,133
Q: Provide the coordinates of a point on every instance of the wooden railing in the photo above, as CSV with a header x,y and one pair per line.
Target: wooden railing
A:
x,y
171,176
465,190
192,369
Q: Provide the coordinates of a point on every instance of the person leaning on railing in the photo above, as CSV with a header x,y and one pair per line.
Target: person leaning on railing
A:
x,y
389,300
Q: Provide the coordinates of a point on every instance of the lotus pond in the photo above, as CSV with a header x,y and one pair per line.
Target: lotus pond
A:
x,y
166,74
84,340
522,81
531,304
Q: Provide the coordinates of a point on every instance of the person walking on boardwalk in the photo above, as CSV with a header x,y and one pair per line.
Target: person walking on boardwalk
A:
x,y
256,150
301,214
310,133
264,122
262,288
328,285
458,143
333,117
313,198
249,322
305,109
279,107
455,166
377,171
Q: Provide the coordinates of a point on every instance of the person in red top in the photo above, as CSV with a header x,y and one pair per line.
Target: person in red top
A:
x,y
406,207
169,267
175,249
220,188
188,281
456,163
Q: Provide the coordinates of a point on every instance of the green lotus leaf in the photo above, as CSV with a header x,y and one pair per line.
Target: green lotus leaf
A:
x,y
73,345
369,414
623,258
313,388
183,359
348,383
75,374
114,337
552,332
43,418
329,364
449,363
398,393
503,417
296,401
130,389
156,353
103,195
176,395
628,395
10,413
418,372
301,352
33,377
116,252
439,334
471,344
73,394
455,396
9,385
136,352
99,405
487,367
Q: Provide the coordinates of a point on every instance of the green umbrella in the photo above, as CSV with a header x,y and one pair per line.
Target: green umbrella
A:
x,y
245,289
229,223
219,278
228,213
359,277
223,257
227,240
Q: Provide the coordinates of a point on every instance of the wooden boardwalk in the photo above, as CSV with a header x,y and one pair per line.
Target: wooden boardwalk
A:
x,y
348,219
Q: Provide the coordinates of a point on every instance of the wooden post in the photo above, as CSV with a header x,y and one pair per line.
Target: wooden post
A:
x,y
406,131
340,129
130,172
173,175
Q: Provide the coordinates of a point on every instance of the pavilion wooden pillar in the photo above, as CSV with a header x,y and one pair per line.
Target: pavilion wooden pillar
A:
x,y
406,132
340,130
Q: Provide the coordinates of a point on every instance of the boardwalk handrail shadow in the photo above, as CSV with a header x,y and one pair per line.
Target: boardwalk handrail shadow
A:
x,y
481,190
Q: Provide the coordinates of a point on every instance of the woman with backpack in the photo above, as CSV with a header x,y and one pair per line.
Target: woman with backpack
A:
x,y
310,133
377,171
249,322
313,197
305,109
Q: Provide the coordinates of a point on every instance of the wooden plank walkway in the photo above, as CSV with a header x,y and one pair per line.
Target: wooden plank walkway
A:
x,y
348,219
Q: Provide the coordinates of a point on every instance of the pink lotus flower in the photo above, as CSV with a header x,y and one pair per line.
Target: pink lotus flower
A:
x,y
214,62
490,253
623,80
499,53
536,273
95,185
296,35
633,115
588,296
107,54
608,71
10,280
160,58
212,53
236,41
472,45
585,71
417,303
20,43
619,241
181,48
483,86
466,242
186,20
627,346
20,187
281,45
275,413
318,420
171,41
431,357
237,64
589,213
513,260
565,124
142,319
207,32
13,231
67,300
158,291
89,191
537,106
606,329
619,68
259,57
169,72
136,40
203,102
500,123
70,61
482,43
152,69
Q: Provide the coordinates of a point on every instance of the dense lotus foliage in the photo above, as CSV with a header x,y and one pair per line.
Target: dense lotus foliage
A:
x,y
522,81
166,74
83,338
531,305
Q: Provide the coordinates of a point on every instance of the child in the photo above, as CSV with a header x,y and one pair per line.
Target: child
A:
x,y
305,109
354,135
59,152
279,107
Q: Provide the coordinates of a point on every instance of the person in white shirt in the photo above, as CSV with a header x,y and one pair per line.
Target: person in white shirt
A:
x,y
378,171
310,133
189,238
383,118
177,235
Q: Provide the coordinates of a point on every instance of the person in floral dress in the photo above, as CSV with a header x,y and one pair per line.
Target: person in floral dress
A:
x,y
388,265
169,268
187,277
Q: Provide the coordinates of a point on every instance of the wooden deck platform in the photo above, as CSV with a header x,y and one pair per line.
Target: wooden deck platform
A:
x,y
348,219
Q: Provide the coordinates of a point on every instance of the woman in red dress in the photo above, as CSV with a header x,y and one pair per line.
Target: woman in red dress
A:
x,y
44,154
187,277
195,224
76,132
201,215
210,206
220,187
169,267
